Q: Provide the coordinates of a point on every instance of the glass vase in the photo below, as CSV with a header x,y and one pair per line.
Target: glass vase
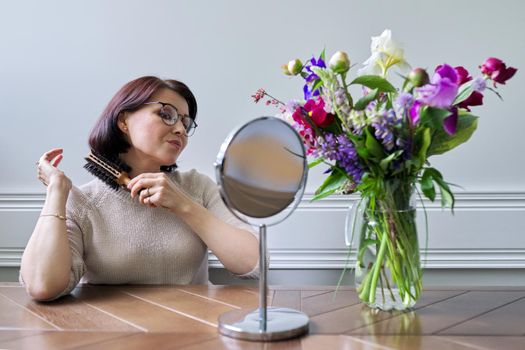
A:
x,y
382,232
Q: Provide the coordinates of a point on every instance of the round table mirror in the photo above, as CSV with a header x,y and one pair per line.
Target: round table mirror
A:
x,y
261,171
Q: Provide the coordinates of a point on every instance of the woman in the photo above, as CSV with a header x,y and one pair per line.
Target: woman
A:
x,y
157,231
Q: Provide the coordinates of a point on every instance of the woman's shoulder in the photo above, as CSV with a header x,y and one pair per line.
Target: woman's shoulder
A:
x,y
193,181
86,195
192,176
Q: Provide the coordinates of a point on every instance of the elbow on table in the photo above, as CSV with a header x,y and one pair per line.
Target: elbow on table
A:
x,y
42,291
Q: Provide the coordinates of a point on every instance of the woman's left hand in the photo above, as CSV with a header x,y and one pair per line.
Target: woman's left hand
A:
x,y
157,190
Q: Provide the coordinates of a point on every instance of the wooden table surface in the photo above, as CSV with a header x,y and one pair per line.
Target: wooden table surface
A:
x,y
185,317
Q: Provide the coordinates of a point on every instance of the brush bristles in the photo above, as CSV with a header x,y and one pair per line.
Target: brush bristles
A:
x,y
109,172
109,179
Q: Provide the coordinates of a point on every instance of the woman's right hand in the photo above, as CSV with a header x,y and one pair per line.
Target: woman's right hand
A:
x,y
49,174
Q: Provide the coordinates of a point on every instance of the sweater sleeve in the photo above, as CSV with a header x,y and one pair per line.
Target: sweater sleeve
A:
x,y
212,201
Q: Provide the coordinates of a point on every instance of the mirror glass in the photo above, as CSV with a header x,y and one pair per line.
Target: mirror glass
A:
x,y
262,168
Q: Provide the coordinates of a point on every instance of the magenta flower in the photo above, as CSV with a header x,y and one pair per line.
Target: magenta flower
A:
x,y
442,90
497,70
476,98
413,112
463,75
315,110
298,116
451,122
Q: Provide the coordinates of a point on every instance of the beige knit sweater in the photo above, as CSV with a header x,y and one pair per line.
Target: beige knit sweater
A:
x,y
116,240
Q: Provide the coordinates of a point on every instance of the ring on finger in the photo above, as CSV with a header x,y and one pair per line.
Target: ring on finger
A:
x,y
147,192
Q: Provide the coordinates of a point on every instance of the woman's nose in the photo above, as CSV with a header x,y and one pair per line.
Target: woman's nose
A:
x,y
178,128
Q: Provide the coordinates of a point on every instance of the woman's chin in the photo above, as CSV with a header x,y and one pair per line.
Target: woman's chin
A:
x,y
169,161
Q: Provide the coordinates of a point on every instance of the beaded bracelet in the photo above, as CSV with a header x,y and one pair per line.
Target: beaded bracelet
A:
x,y
61,217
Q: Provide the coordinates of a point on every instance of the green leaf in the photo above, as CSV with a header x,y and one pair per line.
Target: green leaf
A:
x,y
447,197
363,153
464,92
323,54
315,162
317,84
427,185
433,117
385,162
374,82
373,146
331,184
324,194
443,142
364,101
422,143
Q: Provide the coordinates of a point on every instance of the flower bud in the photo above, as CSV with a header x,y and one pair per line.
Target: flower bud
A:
x,y
284,67
418,77
295,66
339,63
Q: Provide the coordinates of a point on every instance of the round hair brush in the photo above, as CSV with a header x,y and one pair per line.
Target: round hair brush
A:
x,y
113,173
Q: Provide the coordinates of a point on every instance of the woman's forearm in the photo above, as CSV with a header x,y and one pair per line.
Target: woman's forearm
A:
x,y
46,262
237,249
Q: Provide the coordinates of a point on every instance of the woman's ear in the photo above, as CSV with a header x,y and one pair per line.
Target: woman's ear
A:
x,y
121,122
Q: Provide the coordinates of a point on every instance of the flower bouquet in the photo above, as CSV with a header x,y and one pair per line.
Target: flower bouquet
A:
x,y
379,144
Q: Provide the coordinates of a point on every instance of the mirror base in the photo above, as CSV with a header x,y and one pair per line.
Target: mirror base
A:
x,y
282,323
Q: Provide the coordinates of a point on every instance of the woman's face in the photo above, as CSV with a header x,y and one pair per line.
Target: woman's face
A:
x,y
153,143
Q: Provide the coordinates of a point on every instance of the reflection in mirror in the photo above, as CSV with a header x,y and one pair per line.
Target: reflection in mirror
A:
x,y
263,168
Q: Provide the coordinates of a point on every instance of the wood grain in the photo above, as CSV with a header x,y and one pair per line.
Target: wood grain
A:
x,y
16,316
505,320
156,341
185,317
67,313
61,340
433,318
141,314
355,319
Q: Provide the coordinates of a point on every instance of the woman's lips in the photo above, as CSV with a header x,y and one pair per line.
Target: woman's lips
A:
x,y
175,143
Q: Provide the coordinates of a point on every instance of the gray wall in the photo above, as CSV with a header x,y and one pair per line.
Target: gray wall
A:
x,y
61,61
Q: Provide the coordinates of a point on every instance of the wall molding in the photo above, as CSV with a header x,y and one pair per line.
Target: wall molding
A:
x,y
305,259
493,200
512,257
432,259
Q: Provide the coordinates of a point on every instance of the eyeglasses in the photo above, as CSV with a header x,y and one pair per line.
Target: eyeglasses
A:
x,y
170,116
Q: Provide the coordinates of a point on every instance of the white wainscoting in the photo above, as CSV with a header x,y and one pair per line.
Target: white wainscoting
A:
x,y
487,231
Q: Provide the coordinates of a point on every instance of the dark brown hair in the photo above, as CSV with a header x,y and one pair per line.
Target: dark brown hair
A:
x,y
106,138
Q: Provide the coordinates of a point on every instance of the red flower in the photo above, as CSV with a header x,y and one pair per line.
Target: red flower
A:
x,y
315,110
298,116
476,98
463,75
497,70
